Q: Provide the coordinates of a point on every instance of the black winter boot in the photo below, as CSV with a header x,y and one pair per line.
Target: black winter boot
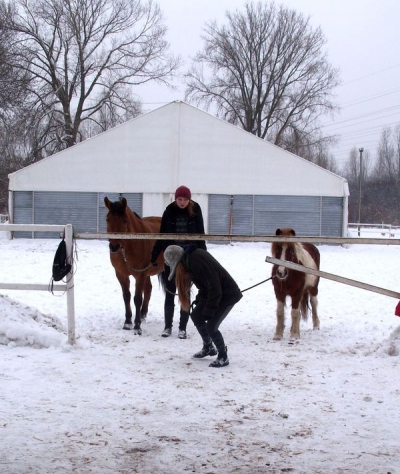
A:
x,y
184,318
222,359
168,318
207,350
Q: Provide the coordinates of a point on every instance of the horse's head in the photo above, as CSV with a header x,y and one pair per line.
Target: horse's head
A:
x,y
286,232
284,251
117,221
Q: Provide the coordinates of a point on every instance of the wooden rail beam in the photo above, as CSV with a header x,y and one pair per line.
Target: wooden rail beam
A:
x,y
237,238
331,276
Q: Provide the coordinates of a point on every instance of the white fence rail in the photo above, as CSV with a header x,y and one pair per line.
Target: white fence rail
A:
x,y
331,276
385,230
240,238
70,235
68,287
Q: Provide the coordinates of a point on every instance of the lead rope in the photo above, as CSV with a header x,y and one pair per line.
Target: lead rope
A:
x,y
261,282
129,266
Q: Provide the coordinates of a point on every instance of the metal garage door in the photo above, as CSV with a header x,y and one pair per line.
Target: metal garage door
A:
x,y
262,215
134,202
23,211
85,211
78,209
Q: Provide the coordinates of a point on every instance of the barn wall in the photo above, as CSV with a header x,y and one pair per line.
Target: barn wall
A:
x,y
262,215
173,145
223,214
147,158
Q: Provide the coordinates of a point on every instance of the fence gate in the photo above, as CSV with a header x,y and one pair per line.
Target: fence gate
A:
x,y
68,287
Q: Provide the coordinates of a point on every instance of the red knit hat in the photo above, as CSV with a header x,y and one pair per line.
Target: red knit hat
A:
x,y
183,192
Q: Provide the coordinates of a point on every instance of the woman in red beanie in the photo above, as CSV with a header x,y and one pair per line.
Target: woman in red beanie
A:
x,y
183,216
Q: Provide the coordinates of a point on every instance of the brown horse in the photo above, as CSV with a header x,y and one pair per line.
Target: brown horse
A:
x,y
132,257
300,286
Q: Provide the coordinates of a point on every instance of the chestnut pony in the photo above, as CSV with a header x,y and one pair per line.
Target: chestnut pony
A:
x,y
301,287
132,257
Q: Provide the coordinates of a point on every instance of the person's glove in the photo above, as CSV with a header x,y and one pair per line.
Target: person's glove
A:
x,y
193,305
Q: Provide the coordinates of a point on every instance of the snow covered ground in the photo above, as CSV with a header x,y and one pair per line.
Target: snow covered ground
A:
x,y
119,403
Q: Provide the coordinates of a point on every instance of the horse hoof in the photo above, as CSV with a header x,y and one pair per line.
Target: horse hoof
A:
x,y
128,326
143,318
293,341
277,338
137,331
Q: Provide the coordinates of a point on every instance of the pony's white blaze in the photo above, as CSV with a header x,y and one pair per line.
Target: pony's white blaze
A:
x,y
282,270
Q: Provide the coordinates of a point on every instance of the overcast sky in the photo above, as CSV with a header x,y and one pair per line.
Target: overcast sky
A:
x,y
362,41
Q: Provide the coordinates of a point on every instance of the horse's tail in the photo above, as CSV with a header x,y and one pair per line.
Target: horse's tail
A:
x,y
304,305
162,280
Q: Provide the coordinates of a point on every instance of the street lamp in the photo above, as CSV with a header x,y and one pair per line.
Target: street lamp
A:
x,y
359,195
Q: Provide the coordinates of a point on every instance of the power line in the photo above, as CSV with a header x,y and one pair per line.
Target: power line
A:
x,y
387,109
373,97
369,75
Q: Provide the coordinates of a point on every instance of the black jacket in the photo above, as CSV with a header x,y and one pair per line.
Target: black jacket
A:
x,y
216,286
171,215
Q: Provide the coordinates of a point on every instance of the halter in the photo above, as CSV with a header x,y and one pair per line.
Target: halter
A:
x,y
128,265
282,278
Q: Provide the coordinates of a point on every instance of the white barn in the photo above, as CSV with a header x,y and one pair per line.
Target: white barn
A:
x,y
245,185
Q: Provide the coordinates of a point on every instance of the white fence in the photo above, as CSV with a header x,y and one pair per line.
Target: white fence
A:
x,y
330,276
68,287
384,230
69,236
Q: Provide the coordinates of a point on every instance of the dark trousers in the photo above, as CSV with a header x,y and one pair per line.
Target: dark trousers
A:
x,y
209,328
169,305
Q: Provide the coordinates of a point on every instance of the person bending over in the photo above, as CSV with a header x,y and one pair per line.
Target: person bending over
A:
x,y
218,293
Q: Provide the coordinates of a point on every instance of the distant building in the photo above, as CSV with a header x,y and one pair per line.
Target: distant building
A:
x,y
245,185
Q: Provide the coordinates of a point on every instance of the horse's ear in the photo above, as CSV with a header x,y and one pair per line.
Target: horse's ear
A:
x,y
123,203
278,232
107,202
292,232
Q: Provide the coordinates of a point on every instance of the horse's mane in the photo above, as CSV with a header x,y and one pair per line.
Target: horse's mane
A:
x,y
119,209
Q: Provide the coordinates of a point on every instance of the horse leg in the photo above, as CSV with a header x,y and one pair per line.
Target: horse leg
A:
x,y
146,298
280,320
296,313
314,306
138,300
126,294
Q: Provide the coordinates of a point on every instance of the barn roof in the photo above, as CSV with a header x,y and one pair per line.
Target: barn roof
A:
x,y
174,144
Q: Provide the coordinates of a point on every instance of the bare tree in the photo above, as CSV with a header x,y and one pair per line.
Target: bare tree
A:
x,y
266,71
313,148
13,81
110,116
83,55
387,162
397,152
357,171
353,167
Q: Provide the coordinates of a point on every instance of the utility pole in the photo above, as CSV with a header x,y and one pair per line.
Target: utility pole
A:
x,y
359,196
